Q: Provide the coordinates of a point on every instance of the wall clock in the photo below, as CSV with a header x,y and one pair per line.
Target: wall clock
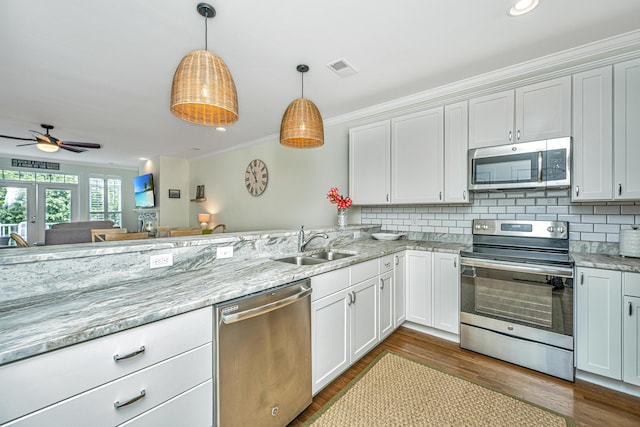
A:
x,y
256,177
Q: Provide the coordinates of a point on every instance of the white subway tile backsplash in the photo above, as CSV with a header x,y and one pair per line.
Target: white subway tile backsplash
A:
x,y
596,222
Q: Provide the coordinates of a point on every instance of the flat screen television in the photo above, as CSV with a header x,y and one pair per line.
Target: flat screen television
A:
x,y
143,189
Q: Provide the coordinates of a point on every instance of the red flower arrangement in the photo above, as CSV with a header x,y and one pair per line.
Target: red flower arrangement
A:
x,y
338,199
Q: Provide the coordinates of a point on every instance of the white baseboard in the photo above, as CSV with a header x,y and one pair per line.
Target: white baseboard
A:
x,y
608,383
432,331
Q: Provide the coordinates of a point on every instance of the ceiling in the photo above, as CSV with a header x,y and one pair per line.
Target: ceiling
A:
x,y
101,71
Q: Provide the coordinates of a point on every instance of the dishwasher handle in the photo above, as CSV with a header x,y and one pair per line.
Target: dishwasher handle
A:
x,y
257,311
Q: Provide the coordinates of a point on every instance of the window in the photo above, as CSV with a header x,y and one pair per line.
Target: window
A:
x,y
105,199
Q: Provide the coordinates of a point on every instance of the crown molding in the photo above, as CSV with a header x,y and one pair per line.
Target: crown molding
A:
x,y
592,55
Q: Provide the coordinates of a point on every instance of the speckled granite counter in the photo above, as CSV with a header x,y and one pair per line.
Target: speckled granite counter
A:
x,y
606,262
63,312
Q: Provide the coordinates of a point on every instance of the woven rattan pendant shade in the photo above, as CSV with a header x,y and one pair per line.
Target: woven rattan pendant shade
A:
x,y
203,90
301,125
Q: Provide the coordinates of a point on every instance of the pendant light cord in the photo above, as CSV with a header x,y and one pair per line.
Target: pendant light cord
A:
x,y
302,77
205,31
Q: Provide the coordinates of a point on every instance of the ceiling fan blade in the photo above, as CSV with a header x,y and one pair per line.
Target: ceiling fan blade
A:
x,y
23,145
75,150
79,144
39,136
17,137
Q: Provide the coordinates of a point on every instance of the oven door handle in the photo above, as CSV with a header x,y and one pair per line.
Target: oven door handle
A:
x,y
547,270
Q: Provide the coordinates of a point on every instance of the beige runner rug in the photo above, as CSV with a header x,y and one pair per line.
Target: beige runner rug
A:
x,y
396,391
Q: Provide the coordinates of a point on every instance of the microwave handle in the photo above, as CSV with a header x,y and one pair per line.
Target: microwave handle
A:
x,y
539,166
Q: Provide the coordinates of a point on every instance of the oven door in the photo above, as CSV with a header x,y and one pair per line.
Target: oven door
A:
x,y
534,302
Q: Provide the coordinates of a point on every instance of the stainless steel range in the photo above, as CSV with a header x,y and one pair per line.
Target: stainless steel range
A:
x,y
516,299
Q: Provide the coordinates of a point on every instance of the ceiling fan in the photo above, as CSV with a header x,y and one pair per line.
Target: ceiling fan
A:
x,y
51,144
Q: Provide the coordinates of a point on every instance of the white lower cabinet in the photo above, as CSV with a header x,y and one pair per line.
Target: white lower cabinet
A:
x,y
113,379
352,309
433,286
631,329
599,328
399,289
446,292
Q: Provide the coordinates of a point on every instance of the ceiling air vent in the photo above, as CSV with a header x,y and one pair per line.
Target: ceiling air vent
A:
x,y
342,68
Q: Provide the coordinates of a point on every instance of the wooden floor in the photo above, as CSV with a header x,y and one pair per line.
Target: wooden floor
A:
x,y
588,404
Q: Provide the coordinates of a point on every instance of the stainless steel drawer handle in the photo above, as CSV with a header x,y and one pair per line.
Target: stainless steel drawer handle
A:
x,y
619,189
397,259
131,401
350,298
354,297
539,166
135,353
381,283
630,309
577,190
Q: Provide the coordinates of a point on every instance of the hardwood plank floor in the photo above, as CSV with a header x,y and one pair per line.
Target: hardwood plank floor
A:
x,y
588,404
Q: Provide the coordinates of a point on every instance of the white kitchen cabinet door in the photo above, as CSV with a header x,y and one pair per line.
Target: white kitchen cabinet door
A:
x,y
599,325
417,157
399,287
631,339
543,110
364,317
627,130
386,315
456,143
593,135
369,163
446,291
330,344
419,287
491,119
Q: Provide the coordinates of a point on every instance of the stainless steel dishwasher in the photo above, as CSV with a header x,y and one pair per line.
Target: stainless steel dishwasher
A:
x,y
263,357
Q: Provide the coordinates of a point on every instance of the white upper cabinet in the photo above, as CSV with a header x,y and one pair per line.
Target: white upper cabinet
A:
x,y
411,159
369,163
456,143
627,130
593,135
538,111
417,157
491,119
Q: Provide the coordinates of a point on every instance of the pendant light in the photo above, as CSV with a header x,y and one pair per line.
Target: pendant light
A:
x,y
203,90
301,125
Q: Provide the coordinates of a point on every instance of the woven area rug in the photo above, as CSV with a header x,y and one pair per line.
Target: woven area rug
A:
x,y
396,391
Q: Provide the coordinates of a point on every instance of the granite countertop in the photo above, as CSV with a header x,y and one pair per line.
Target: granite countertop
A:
x,y
606,262
37,324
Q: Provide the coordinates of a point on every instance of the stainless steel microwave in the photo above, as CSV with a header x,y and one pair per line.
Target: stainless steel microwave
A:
x,y
537,164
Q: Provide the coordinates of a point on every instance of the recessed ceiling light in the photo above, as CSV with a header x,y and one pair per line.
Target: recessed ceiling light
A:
x,y
523,6
221,129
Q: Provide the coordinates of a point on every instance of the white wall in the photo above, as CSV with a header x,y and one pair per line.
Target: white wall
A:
x,y
299,180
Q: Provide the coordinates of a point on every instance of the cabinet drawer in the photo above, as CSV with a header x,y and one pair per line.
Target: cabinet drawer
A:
x,y
329,283
631,284
193,408
386,264
32,384
160,382
364,270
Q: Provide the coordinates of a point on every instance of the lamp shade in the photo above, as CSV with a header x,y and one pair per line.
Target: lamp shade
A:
x,y
204,217
203,90
301,125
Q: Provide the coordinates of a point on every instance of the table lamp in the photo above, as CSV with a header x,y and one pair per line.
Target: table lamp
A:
x,y
204,219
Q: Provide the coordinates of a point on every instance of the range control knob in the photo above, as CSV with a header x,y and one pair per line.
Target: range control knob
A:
x,y
550,229
485,227
477,227
560,229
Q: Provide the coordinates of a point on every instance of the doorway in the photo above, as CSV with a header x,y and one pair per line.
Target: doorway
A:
x,y
30,208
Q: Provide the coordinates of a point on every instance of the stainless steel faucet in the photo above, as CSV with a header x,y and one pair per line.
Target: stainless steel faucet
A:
x,y
302,243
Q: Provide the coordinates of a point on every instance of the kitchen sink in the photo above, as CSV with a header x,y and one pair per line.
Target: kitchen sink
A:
x,y
330,255
316,258
302,260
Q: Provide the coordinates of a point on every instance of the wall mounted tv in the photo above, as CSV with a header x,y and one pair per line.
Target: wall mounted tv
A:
x,y
143,189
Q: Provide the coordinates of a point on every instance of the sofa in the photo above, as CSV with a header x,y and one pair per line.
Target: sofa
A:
x,y
73,232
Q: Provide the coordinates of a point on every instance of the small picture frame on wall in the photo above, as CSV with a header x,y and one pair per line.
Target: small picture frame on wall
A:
x,y
200,192
174,194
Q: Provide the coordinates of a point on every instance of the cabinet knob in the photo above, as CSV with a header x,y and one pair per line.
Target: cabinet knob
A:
x,y
397,259
381,284
630,309
441,195
619,189
577,190
455,263
518,135
464,195
582,278
510,135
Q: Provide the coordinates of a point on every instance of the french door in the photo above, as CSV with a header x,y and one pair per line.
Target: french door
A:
x,y
30,208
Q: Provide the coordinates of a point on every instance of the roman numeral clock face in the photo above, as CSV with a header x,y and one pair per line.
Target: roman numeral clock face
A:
x,y
256,177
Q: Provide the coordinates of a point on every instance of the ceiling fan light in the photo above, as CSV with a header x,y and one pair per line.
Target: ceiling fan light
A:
x,y
301,125
203,90
47,147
